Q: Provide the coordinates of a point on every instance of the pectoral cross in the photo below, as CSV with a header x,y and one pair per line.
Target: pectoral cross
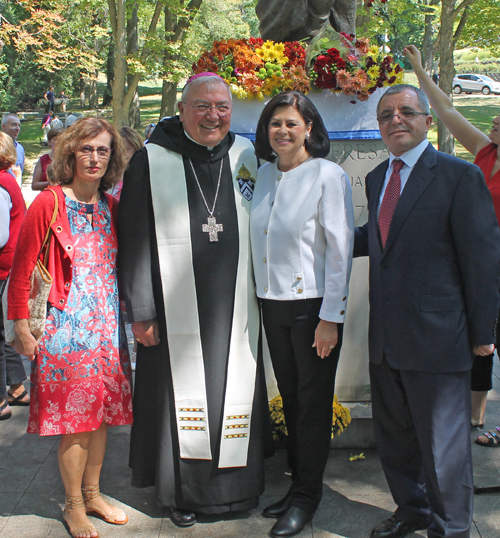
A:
x,y
212,228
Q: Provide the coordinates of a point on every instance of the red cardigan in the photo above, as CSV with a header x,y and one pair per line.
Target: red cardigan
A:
x,y
60,265
17,211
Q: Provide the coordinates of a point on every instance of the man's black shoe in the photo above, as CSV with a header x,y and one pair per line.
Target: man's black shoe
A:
x,y
395,528
182,518
291,522
277,509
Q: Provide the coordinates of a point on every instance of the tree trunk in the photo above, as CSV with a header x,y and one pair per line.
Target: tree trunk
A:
x,y
110,70
117,19
82,92
93,91
168,99
427,48
446,142
175,29
122,97
134,113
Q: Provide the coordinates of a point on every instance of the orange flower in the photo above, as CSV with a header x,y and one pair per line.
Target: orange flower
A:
x,y
343,78
251,83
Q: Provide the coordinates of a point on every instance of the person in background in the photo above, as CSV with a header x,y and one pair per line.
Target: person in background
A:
x,y
12,209
149,131
434,250
64,99
11,125
40,179
56,123
81,376
50,96
70,120
486,150
302,231
46,120
132,142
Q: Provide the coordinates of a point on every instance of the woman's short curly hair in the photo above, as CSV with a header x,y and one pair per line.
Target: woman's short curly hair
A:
x,y
317,145
80,133
8,154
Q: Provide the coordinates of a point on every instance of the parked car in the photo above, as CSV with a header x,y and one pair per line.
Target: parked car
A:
x,y
475,83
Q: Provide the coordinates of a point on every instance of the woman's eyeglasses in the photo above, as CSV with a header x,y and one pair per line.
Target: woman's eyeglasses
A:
x,y
102,153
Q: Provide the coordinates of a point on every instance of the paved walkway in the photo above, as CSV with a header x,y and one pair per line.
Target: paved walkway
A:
x,y
356,496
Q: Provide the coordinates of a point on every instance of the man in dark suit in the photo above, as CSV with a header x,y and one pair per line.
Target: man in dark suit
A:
x,y
434,248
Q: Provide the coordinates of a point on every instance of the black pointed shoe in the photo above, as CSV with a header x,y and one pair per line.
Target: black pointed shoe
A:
x,y
277,509
291,522
395,528
182,518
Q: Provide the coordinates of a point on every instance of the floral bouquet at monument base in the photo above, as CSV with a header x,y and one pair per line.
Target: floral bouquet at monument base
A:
x,y
342,63
341,419
255,68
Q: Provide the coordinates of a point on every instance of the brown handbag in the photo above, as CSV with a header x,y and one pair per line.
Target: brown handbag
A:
x,y
40,284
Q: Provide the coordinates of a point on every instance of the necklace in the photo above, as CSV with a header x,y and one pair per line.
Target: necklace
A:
x,y
211,227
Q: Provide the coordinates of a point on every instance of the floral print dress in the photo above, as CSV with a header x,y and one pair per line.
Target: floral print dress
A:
x,y
82,374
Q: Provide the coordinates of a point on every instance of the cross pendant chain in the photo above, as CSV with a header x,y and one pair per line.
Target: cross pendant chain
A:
x,y
212,228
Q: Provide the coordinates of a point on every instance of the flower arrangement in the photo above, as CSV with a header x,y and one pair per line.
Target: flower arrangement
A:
x,y
342,63
255,68
341,419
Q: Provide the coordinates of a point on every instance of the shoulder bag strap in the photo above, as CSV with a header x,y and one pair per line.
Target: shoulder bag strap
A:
x,y
46,241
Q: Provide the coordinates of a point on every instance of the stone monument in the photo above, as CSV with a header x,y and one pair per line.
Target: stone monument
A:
x,y
293,20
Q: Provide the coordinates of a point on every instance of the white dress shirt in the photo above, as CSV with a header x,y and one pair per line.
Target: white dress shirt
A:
x,y
302,229
409,159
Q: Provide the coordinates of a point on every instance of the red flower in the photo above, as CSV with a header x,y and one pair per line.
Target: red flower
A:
x,y
333,53
321,62
256,41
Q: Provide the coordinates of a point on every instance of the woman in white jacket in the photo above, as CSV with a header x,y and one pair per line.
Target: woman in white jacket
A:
x,y
302,227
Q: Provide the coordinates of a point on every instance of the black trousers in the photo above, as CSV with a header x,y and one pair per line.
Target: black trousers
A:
x,y
422,428
306,383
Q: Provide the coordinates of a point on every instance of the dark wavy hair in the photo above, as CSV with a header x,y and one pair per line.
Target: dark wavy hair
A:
x,y
317,145
62,169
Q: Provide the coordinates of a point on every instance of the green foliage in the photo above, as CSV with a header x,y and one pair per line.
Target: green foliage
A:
x,y
395,24
483,26
476,61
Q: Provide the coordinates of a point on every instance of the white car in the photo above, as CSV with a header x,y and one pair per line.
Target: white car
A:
x,y
475,83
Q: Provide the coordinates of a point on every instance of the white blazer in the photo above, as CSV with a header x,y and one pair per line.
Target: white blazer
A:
x,y
302,233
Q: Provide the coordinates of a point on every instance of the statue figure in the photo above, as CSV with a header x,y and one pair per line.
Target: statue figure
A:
x,y
293,20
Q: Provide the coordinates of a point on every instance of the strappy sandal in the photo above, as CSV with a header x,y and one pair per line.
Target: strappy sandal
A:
x,y
90,493
5,416
72,502
18,400
493,439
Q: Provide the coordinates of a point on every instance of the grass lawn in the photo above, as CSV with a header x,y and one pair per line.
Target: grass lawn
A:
x,y
478,109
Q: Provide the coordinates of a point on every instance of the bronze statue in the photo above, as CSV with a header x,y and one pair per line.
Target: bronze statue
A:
x,y
291,20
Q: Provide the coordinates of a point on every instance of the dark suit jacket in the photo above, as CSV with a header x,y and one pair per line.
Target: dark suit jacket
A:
x,y
434,289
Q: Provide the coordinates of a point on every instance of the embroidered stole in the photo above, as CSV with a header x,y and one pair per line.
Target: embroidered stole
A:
x,y
171,210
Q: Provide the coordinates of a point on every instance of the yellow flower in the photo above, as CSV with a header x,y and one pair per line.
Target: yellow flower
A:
x,y
374,71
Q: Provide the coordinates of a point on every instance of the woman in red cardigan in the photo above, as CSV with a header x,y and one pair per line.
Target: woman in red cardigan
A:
x,y
81,375
12,209
486,149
